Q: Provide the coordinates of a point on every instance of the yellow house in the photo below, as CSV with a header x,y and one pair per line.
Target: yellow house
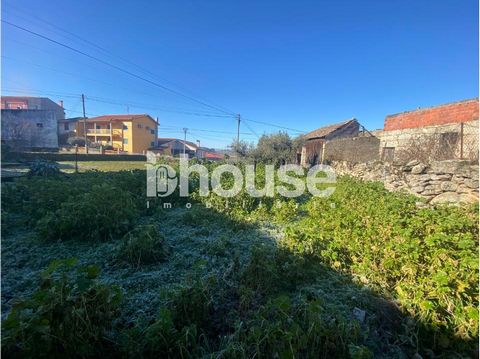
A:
x,y
127,133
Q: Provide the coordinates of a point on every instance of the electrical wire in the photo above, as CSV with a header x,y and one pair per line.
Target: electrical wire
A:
x,y
118,68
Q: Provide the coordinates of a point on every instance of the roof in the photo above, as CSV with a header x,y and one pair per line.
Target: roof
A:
x,y
109,118
23,98
325,131
213,156
163,142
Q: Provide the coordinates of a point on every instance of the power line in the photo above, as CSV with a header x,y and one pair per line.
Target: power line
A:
x,y
251,129
118,68
273,125
142,69
120,103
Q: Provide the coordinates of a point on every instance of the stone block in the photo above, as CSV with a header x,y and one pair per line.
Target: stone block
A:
x,y
454,198
418,169
448,186
449,166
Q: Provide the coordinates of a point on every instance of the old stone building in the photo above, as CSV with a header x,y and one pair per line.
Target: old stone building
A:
x,y
313,150
442,132
344,141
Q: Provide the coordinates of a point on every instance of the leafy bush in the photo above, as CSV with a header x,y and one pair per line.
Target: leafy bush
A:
x,y
100,214
143,245
68,316
426,259
79,141
43,168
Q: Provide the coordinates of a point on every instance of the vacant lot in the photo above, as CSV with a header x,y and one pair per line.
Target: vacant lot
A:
x,y
359,274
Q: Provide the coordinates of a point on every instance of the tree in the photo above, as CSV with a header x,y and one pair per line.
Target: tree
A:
x,y
277,149
241,148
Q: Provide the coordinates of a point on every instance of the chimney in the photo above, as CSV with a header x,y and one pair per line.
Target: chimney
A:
x,y
60,103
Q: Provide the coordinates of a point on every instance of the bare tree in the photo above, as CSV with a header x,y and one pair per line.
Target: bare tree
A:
x,y
16,133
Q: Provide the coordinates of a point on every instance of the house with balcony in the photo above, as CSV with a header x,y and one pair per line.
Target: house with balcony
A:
x,y
126,133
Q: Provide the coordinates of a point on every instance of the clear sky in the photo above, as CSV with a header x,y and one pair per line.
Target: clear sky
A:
x,y
297,64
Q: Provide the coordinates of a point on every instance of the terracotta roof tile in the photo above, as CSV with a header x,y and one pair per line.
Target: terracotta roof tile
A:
x,y
324,131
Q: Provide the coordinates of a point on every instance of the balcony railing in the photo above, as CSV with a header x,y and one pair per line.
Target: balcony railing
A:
x,y
104,131
98,131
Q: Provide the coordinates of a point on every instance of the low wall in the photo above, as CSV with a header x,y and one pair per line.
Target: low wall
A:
x,y
31,156
451,181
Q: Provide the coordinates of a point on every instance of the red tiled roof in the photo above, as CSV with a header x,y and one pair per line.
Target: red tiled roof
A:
x,y
118,117
212,156
324,131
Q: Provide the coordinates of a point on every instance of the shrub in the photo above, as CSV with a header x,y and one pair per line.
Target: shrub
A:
x,y
426,259
143,245
100,214
79,141
67,316
43,168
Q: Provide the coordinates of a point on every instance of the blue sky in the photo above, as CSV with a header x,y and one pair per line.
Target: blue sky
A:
x,y
297,64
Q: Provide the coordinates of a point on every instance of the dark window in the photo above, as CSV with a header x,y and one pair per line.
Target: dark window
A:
x,y
139,125
152,143
448,145
98,127
388,154
40,125
66,127
125,141
449,138
152,132
125,127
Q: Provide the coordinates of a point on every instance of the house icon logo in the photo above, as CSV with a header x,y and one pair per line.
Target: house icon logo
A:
x,y
161,180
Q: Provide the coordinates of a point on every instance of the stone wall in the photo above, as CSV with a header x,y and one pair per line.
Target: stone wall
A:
x,y
398,140
355,149
451,181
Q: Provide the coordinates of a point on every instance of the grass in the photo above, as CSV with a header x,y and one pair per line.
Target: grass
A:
x,y
104,166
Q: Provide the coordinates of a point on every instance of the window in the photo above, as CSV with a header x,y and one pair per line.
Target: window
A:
x,y
139,125
147,128
125,127
449,138
40,125
152,143
125,141
66,127
98,127
152,132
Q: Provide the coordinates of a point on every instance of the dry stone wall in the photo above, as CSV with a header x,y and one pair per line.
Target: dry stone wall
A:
x,y
452,181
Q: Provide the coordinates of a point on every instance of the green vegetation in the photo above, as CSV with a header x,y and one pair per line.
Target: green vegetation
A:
x,y
143,245
67,316
363,273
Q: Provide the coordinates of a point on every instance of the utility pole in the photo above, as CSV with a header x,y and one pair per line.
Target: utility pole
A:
x,y
157,130
461,140
84,123
184,139
238,127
